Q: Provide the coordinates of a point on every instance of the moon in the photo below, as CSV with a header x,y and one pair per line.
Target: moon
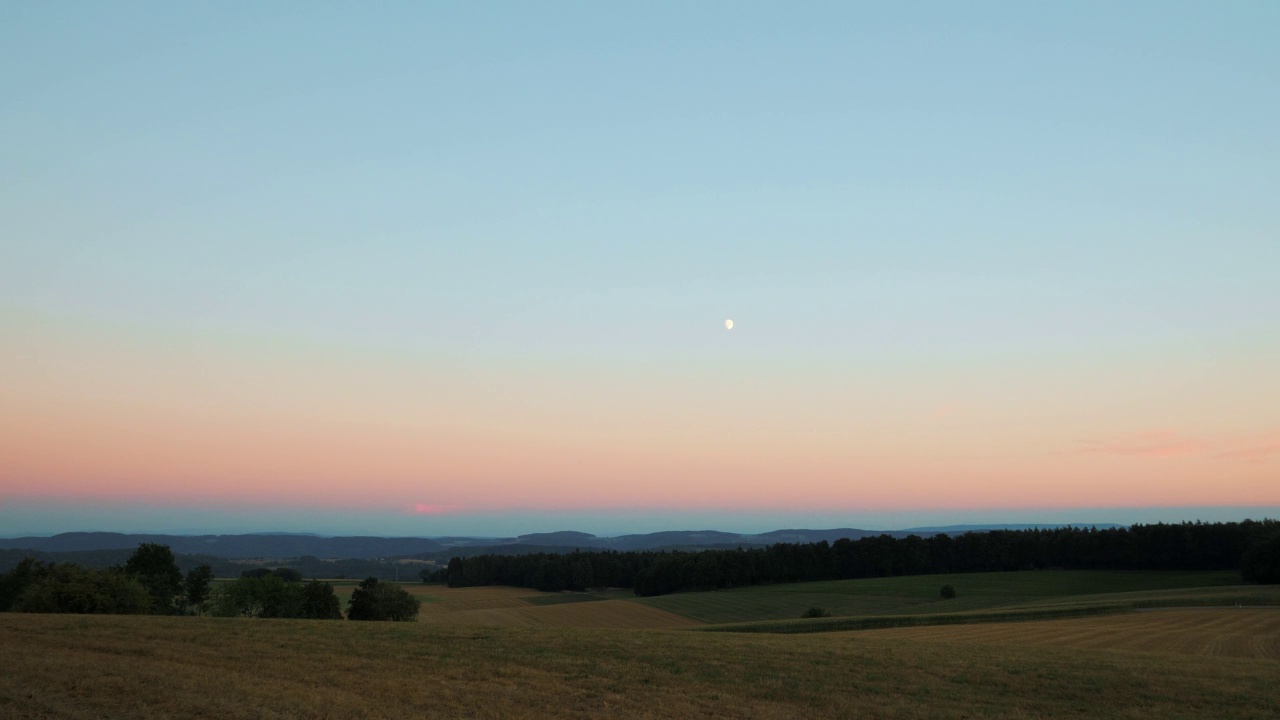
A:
x,y
728,324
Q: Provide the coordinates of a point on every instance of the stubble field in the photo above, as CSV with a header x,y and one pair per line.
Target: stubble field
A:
x,y
515,653
146,667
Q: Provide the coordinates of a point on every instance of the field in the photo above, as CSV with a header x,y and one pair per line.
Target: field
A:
x,y
1217,632
853,604
496,652
153,667
519,607
919,594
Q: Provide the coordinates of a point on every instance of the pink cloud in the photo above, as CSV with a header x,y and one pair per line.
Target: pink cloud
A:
x,y
429,509
1253,449
1152,444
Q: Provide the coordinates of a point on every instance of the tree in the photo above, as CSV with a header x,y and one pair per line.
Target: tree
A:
x,y
816,612
16,581
69,588
374,600
264,597
319,602
196,587
1261,562
152,564
947,592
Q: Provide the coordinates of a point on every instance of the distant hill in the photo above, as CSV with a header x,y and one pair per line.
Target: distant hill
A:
x,y
297,545
960,529
564,538
234,546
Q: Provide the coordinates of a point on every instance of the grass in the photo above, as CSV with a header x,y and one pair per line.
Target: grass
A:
x,y
577,597
154,667
920,594
1244,632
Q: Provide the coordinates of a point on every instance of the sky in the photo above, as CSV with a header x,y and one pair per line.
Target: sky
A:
x,y
464,268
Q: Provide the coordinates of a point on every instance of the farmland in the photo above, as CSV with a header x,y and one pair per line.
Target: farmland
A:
x,y
157,667
1217,632
872,602
919,594
500,652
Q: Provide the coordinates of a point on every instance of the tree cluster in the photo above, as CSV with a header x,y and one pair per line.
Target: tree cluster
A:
x,y
149,582
551,572
268,595
374,600
1185,546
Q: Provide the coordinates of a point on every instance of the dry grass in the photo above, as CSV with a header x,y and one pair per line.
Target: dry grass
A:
x,y
621,614
1218,632
511,607
152,667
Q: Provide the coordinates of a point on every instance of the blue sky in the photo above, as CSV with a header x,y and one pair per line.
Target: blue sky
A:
x,y
529,221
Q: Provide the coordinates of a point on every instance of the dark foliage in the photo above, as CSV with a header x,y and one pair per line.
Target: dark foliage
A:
x,y
1187,546
374,600
16,581
286,574
947,592
319,602
1261,562
196,587
270,596
153,565
70,588
816,612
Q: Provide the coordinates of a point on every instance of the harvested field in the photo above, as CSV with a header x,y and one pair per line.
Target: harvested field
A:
x,y
69,666
511,607
1213,632
918,594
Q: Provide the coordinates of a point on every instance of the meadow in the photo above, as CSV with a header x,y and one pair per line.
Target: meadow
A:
x,y
499,652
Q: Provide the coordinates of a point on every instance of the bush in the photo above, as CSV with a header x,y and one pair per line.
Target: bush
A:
x,y
815,612
375,600
947,592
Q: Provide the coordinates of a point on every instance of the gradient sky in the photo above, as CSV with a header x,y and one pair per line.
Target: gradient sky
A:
x,y
411,268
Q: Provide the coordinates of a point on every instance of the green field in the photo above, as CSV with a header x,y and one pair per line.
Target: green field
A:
x,y
920,593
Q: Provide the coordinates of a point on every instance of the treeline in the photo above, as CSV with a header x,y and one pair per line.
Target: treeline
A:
x,y
150,582
309,566
1186,546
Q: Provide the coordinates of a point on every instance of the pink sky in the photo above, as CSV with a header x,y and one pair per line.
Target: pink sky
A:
x,y
184,420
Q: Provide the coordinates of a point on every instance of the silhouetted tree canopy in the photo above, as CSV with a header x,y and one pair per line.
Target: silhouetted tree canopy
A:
x,y
153,565
196,587
374,600
1261,562
68,588
1185,546
270,596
